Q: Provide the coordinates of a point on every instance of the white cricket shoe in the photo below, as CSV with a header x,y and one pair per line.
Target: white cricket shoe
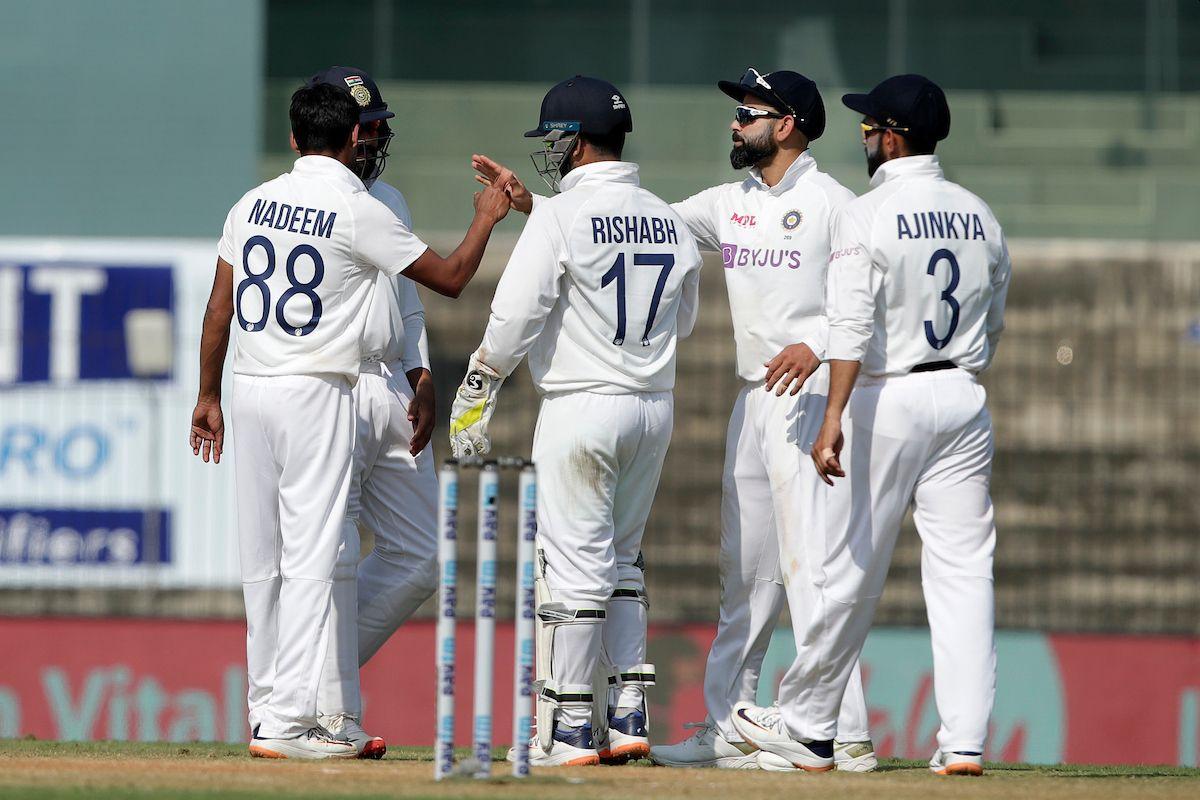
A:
x,y
705,748
769,762
764,728
956,763
571,747
627,738
847,757
312,744
854,756
347,727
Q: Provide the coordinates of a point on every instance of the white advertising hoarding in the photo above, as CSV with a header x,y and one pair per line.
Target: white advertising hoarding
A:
x,y
99,354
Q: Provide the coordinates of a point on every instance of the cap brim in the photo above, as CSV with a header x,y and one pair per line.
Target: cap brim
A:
x,y
862,104
734,90
535,132
739,91
371,116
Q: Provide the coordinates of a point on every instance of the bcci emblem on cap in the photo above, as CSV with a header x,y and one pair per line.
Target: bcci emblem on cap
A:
x,y
791,220
360,93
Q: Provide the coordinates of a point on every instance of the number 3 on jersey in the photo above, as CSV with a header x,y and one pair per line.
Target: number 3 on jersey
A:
x,y
259,281
947,297
662,260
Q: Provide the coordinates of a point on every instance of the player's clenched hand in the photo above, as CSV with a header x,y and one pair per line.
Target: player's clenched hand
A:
x,y
492,203
208,430
827,451
421,409
792,367
492,173
473,406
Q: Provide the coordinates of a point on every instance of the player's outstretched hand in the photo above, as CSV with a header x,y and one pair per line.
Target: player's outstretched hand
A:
x,y
827,451
422,409
208,430
473,406
792,367
492,203
492,173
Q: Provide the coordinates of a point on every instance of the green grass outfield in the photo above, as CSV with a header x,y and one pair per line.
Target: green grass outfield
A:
x,y
102,770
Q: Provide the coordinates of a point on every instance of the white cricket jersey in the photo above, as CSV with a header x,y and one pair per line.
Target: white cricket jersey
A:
x,y
919,273
395,328
774,243
305,248
601,284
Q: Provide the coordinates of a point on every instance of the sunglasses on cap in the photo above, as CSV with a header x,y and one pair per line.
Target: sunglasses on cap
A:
x,y
744,115
753,77
867,130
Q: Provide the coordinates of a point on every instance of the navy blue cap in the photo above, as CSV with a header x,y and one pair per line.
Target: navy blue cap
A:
x,y
587,105
789,92
361,87
906,101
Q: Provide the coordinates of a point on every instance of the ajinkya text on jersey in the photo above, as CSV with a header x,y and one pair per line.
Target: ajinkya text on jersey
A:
x,y
939,225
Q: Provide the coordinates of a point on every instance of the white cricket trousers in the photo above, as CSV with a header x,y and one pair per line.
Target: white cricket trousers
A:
x,y
923,438
393,494
599,459
771,501
293,439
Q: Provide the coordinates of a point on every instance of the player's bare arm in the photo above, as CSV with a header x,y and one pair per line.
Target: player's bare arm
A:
x,y
450,275
491,173
827,449
791,367
208,424
423,408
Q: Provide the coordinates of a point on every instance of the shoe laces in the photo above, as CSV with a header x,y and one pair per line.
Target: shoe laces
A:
x,y
340,722
704,730
323,735
771,717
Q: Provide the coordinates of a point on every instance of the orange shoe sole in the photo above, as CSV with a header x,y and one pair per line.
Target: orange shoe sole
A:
x,y
624,754
818,769
973,770
262,752
585,761
374,749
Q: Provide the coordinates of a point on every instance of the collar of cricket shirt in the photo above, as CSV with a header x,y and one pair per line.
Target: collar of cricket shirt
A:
x,y
803,163
907,167
329,168
606,171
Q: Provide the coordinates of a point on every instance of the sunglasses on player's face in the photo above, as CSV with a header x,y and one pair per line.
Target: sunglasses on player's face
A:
x,y
868,129
744,115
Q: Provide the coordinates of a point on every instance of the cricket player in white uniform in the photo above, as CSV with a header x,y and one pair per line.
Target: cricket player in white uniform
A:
x,y
772,231
304,250
393,485
604,281
917,284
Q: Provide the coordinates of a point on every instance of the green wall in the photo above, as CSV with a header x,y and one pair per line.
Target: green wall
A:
x,y
128,117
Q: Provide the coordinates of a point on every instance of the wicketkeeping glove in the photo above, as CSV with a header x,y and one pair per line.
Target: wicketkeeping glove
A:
x,y
473,406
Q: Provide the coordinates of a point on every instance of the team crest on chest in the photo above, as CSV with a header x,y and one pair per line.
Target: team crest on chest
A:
x,y
791,220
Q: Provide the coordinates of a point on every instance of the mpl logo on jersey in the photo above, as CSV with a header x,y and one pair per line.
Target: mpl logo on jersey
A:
x,y
66,322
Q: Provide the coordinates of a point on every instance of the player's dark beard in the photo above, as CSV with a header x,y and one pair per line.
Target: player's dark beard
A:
x,y
752,151
875,159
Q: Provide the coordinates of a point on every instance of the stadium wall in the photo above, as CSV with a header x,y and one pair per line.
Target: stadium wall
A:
x,y
1059,697
1092,392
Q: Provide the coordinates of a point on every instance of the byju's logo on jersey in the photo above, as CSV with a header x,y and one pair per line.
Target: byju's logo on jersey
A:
x,y
744,220
77,322
733,257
